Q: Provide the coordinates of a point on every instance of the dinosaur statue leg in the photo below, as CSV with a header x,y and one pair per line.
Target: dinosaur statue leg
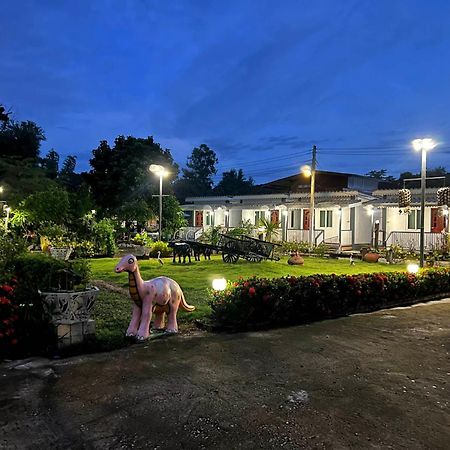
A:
x,y
134,323
158,323
144,328
172,325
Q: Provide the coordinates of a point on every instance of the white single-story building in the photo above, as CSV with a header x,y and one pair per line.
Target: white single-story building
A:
x,y
350,212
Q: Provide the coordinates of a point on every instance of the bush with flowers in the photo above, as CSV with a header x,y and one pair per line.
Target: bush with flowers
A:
x,y
9,315
260,302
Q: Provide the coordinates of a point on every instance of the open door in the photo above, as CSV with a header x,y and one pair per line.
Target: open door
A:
x,y
437,221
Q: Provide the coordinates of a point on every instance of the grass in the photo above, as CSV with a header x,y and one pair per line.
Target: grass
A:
x,y
112,311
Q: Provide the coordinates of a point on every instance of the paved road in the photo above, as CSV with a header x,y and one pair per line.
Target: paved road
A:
x,y
379,380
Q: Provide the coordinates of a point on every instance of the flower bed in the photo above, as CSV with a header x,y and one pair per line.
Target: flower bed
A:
x,y
262,303
8,318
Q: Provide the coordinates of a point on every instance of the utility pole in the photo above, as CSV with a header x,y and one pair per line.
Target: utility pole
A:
x,y
311,205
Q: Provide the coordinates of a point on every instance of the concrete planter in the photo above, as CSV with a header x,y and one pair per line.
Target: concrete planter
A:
x,y
60,253
69,305
69,312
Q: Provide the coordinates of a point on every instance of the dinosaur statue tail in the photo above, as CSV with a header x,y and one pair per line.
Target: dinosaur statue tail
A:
x,y
184,305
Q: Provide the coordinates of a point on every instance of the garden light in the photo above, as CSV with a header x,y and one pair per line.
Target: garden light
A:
x,y
219,284
1,189
412,268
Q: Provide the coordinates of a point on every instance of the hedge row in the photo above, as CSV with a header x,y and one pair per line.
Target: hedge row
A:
x,y
262,303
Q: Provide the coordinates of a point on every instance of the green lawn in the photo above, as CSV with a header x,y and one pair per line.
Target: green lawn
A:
x,y
113,311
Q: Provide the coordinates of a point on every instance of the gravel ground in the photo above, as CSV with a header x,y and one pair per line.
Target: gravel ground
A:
x,y
377,380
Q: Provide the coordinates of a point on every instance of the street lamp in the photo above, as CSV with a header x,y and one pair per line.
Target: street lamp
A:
x,y
161,172
310,172
423,145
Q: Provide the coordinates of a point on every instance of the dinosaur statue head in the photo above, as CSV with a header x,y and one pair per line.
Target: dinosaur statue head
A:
x,y
127,264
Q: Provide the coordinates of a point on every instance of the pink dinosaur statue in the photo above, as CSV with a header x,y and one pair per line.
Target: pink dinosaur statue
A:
x,y
159,295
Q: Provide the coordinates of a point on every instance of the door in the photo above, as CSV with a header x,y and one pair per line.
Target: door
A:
x,y
437,221
306,219
275,216
199,218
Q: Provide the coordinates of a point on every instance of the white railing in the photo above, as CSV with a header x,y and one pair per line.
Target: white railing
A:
x,y
189,233
411,240
303,236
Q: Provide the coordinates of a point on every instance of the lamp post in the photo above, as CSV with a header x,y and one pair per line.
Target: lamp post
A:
x,y
309,172
161,172
423,145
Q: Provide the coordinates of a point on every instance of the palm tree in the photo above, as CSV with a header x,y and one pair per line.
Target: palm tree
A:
x,y
270,228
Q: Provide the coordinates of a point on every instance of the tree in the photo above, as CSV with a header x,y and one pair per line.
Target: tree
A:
x,y
68,167
197,177
119,178
51,164
21,140
173,217
51,206
4,116
234,182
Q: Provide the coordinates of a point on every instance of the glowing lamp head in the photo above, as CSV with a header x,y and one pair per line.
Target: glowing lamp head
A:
x,y
219,284
158,170
412,268
1,189
306,171
423,144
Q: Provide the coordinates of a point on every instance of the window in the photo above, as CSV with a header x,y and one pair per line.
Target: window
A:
x,y
259,215
326,219
414,220
292,219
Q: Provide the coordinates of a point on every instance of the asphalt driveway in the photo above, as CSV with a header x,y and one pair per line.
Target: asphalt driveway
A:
x,y
378,380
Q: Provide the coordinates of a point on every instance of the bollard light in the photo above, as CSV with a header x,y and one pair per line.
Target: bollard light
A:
x,y
412,268
219,284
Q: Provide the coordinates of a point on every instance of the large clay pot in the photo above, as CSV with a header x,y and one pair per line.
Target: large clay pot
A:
x,y
371,257
296,261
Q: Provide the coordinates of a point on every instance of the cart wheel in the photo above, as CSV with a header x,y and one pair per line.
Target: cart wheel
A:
x,y
253,258
231,258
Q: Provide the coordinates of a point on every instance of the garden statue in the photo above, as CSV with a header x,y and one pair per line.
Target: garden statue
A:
x,y
159,296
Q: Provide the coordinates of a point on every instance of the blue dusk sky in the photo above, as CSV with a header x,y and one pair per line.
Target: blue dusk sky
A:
x,y
259,81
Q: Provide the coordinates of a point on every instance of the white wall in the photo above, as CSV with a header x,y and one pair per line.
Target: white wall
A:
x,y
330,232
235,218
219,217
399,222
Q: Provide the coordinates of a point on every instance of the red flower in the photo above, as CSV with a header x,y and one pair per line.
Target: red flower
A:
x,y
6,288
251,291
246,284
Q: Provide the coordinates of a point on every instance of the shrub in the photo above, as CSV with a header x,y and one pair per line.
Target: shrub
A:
x,y
142,239
289,247
8,318
10,248
104,237
160,246
260,302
